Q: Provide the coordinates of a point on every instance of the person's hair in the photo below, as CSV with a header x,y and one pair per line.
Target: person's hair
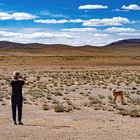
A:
x,y
16,75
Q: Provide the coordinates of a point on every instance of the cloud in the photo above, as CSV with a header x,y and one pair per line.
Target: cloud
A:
x,y
120,30
115,21
131,35
74,37
101,35
120,10
39,35
9,34
16,16
23,16
61,21
76,21
49,14
51,21
56,37
5,16
46,35
80,29
131,7
89,6
34,35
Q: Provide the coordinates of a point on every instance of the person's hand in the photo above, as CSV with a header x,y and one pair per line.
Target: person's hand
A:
x,y
20,77
24,78
26,82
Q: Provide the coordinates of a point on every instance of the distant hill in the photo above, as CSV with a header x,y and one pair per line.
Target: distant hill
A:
x,y
130,47
7,44
13,45
120,43
126,43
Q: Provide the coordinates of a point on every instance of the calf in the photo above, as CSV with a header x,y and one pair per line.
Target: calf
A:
x,y
118,94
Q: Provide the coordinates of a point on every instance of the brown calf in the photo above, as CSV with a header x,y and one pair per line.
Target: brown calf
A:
x,y
118,94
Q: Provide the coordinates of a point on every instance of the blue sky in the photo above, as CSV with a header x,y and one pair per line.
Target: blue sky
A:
x,y
72,22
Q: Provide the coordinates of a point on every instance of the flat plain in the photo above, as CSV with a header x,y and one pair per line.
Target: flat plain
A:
x,y
70,93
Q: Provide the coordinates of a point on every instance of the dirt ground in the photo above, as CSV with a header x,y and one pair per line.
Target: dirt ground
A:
x,y
85,90
87,124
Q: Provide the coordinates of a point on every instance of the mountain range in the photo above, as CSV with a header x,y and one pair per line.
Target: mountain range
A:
x,y
120,43
129,47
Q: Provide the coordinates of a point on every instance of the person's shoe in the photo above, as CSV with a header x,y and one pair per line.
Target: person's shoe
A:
x,y
15,123
20,123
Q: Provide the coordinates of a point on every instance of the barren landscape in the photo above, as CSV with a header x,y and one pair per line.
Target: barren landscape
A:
x,y
70,93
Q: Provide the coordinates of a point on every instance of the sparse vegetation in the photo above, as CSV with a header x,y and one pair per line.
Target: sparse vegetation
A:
x,y
45,106
59,108
71,89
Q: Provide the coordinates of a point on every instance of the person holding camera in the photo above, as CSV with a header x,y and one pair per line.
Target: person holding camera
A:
x,y
17,98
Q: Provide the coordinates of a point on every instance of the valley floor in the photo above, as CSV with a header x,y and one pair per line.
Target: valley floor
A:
x,y
85,93
87,124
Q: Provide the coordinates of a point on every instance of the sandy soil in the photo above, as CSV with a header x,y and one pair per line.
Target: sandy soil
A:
x,y
79,125
87,87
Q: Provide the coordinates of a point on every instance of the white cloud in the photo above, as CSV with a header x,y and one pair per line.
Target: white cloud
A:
x,y
131,35
46,35
75,21
56,37
101,35
51,21
22,16
115,21
120,10
5,16
120,30
38,35
89,6
61,21
49,14
73,37
16,16
131,7
9,34
80,29
34,35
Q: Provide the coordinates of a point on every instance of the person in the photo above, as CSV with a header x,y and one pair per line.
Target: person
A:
x,y
17,97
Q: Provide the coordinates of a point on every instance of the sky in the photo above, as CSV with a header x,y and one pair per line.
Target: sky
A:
x,y
71,22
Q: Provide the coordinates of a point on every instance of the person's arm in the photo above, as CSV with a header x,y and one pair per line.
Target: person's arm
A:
x,y
25,81
11,83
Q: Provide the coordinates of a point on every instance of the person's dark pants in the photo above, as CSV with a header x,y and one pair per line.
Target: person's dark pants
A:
x,y
16,104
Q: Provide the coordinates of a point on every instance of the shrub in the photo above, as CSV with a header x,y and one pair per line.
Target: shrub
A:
x,y
45,106
101,96
36,93
94,100
134,113
59,108
134,88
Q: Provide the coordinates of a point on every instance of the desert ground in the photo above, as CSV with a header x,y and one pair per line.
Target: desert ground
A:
x,y
70,96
